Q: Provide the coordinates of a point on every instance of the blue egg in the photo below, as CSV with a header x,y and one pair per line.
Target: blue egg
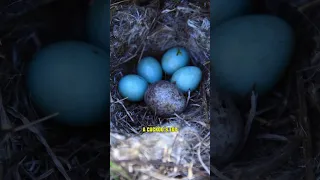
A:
x,y
174,59
150,69
133,87
98,23
187,78
250,51
222,10
72,79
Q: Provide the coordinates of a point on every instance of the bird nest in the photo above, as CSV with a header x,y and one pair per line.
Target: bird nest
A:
x,y
281,139
138,31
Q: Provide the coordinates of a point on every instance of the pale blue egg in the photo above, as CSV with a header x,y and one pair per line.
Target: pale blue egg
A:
x,y
174,59
250,51
98,23
222,10
133,87
150,69
187,78
70,78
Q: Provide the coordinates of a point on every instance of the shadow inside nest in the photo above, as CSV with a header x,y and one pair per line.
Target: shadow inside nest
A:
x,y
285,116
23,32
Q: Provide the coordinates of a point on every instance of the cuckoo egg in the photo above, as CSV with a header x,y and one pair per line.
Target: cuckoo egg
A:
x,y
165,99
187,78
173,59
227,127
98,21
70,78
132,87
150,69
251,51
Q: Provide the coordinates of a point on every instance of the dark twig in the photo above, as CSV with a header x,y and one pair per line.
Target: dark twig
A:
x,y
267,164
249,122
43,141
305,131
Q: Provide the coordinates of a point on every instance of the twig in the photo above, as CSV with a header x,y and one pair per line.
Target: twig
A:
x,y
157,175
309,5
158,163
218,173
117,3
190,172
188,99
267,109
46,174
142,51
272,137
34,6
251,117
308,19
282,122
199,153
124,107
304,122
267,164
5,123
43,141
25,126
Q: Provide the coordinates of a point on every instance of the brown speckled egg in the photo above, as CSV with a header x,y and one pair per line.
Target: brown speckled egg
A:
x,y
165,99
226,128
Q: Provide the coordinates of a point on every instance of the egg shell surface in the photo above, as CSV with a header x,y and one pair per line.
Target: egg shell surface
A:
x,y
187,78
70,78
98,22
150,69
227,130
165,99
251,50
222,10
133,87
173,59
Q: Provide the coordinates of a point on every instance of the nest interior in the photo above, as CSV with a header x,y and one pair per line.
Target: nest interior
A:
x,y
282,142
31,149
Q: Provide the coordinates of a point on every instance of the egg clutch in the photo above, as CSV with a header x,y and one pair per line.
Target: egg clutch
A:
x,y
72,77
164,97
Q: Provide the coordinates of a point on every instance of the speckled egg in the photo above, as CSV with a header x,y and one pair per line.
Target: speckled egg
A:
x,y
250,51
187,78
226,128
150,69
165,99
72,79
98,23
132,87
173,59
222,10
